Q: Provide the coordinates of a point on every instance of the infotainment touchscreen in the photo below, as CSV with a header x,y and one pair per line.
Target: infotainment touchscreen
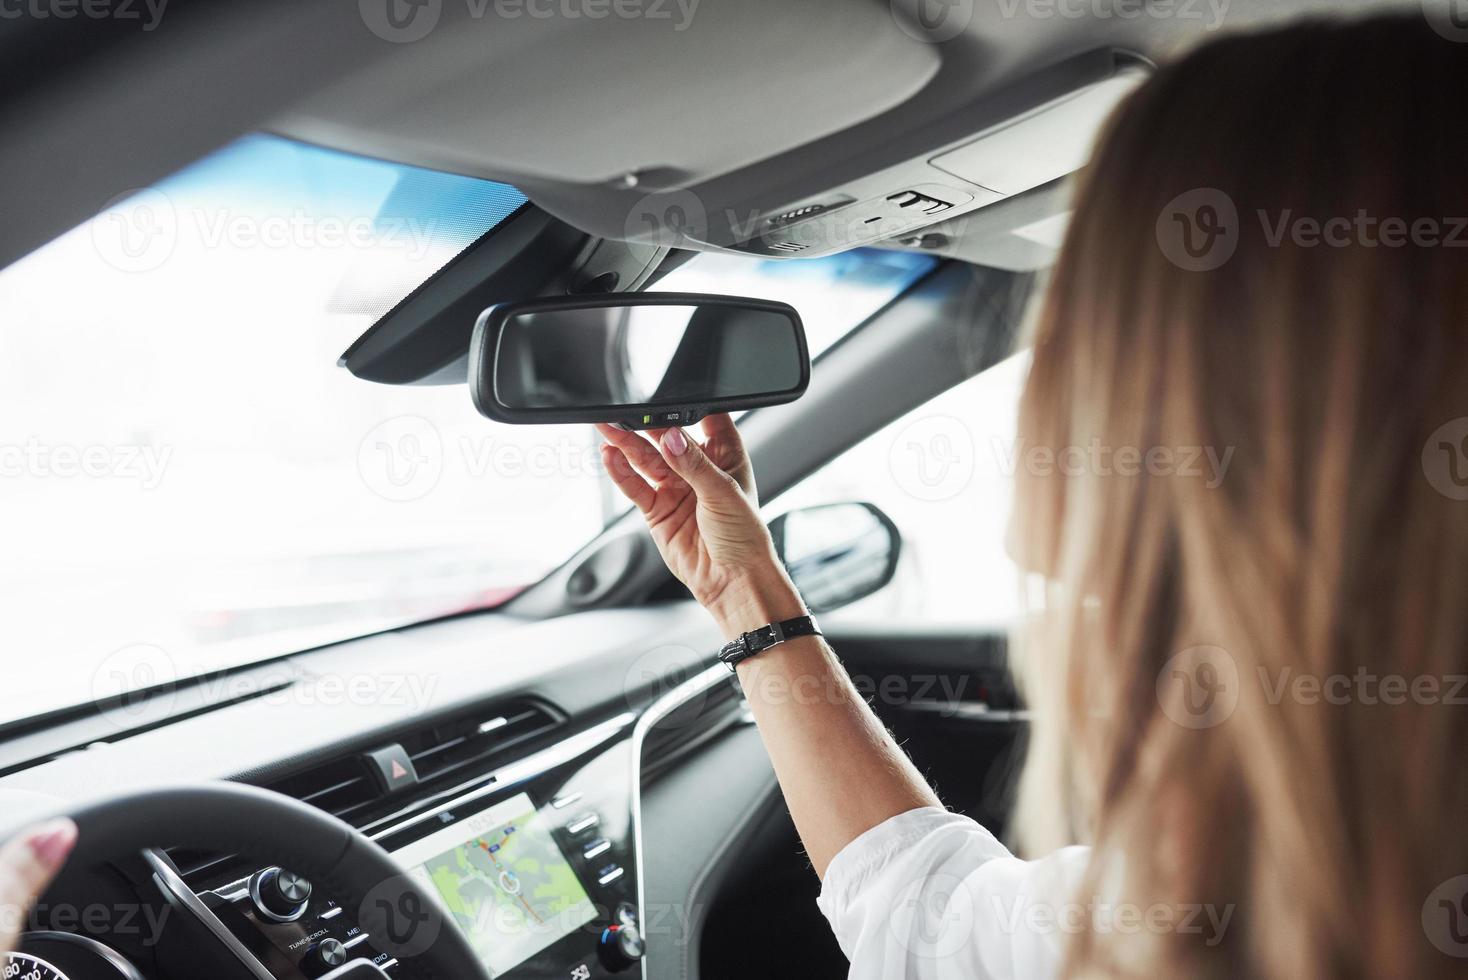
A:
x,y
501,876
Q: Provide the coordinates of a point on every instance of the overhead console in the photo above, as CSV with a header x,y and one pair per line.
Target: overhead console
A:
x,y
1035,133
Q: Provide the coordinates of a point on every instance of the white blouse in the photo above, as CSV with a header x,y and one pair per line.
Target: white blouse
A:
x,y
931,895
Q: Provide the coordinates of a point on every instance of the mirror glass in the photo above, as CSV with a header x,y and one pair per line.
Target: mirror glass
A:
x,y
837,553
630,355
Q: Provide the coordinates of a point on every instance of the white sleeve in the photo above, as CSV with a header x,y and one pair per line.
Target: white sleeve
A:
x,y
931,895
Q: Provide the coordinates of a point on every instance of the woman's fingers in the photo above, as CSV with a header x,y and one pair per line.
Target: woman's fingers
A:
x,y
638,451
725,446
722,427
632,486
687,459
27,865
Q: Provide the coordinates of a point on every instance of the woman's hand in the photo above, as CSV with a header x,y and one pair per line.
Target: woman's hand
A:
x,y
701,506
27,865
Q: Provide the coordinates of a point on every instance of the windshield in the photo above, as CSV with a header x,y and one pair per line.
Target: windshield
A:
x,y
189,482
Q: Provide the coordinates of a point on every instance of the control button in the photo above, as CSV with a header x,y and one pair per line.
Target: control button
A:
x,y
280,896
924,203
626,914
620,947
356,940
325,957
583,823
609,874
596,848
561,802
393,768
331,913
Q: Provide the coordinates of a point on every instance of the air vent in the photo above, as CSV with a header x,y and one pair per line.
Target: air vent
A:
x,y
340,787
689,726
789,246
481,738
345,787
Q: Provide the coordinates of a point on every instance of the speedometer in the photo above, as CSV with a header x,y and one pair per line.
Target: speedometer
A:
x,y
66,956
21,966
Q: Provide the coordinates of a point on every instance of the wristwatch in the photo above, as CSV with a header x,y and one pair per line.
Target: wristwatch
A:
x,y
747,645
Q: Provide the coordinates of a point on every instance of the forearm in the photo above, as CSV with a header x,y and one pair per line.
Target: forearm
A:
x,y
841,772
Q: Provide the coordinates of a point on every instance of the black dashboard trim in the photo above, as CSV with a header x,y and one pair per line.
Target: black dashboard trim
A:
x,y
177,891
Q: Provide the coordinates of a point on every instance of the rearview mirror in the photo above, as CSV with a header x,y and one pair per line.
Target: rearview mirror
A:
x,y
837,553
637,360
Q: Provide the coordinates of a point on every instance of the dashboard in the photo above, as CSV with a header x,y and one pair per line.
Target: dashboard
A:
x,y
515,804
535,861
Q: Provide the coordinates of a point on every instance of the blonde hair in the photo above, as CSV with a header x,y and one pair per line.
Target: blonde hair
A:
x,y
1325,538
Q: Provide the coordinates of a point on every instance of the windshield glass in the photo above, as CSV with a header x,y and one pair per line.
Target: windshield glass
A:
x,y
189,482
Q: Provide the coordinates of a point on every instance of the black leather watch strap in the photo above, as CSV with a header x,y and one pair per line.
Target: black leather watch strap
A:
x,y
758,641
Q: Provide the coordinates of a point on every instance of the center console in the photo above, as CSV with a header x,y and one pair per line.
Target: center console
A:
x,y
535,861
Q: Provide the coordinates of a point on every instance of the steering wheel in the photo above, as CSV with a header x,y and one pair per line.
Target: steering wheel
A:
x,y
403,921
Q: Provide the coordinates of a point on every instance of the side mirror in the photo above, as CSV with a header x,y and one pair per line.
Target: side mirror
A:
x,y
837,553
637,360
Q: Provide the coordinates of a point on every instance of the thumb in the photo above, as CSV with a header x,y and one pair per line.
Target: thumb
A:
x,y
28,862
687,458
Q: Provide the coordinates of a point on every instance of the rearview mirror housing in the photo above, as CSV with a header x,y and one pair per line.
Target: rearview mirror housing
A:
x,y
637,360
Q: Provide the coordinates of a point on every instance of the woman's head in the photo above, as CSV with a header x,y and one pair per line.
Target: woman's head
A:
x,y
1252,366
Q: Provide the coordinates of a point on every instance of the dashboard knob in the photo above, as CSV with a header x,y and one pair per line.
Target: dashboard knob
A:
x,y
325,957
279,895
621,947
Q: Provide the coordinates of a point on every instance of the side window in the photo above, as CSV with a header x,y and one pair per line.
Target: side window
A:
x,y
944,473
